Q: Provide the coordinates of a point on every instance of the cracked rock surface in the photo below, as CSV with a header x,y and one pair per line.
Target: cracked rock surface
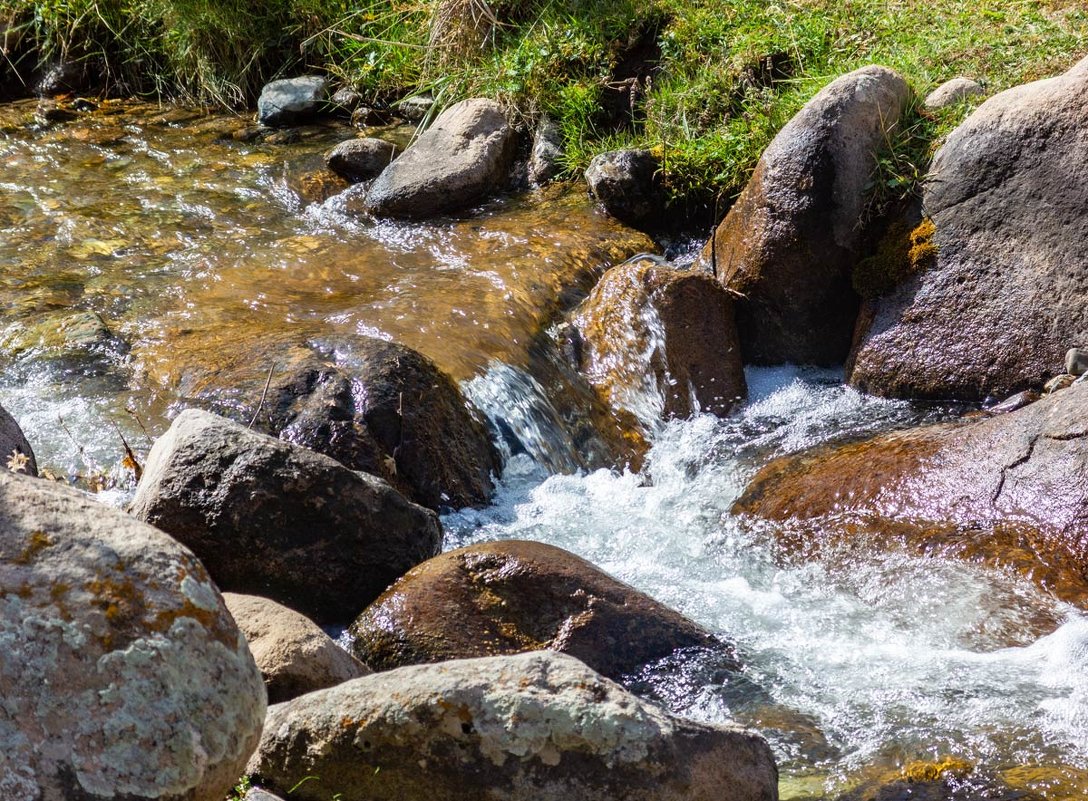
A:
x,y
533,727
1009,490
122,675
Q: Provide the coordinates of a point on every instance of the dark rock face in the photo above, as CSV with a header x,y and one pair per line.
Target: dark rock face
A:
x,y
15,452
123,674
651,329
392,414
361,159
460,159
1010,490
292,100
520,728
1005,298
510,597
431,442
789,243
624,182
269,518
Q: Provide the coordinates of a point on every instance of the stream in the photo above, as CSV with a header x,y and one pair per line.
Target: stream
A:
x,y
153,258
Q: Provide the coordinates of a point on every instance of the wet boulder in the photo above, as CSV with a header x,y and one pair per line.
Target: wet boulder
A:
x,y
272,519
123,674
292,100
361,159
15,452
459,160
1010,490
514,596
520,728
789,243
625,184
1004,298
432,443
294,655
952,92
654,334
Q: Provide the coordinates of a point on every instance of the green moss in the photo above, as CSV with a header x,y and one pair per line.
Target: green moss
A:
x,y
903,251
708,82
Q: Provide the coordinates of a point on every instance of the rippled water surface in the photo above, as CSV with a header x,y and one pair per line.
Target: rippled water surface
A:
x,y
151,259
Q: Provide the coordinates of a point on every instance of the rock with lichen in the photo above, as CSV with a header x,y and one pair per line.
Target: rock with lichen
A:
x,y
123,674
520,728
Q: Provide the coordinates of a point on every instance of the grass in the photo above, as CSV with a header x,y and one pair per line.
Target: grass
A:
x,y
705,83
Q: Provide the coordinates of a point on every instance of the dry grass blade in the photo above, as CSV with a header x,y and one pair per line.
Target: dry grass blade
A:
x,y
459,29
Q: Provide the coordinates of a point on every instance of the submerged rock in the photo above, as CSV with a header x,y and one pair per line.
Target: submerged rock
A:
x,y
625,183
294,655
459,160
519,728
123,675
515,596
789,243
292,100
654,334
361,159
1010,490
952,92
16,455
1005,297
272,519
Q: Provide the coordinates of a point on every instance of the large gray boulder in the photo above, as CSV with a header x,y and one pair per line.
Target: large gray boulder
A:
x,y
294,655
461,158
15,452
291,100
789,243
513,596
654,335
122,674
1011,490
273,519
1005,297
517,728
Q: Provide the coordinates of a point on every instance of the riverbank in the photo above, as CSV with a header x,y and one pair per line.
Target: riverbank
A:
x,y
705,86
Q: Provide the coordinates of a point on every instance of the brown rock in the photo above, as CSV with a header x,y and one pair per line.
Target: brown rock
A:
x,y
790,241
514,596
1009,490
651,331
360,159
294,655
1004,299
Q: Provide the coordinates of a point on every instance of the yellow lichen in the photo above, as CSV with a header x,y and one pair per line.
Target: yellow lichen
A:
x,y
919,772
902,252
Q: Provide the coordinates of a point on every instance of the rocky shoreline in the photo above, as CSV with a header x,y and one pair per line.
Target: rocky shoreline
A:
x,y
142,649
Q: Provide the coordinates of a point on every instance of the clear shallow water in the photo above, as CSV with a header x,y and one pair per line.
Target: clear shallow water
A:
x,y
871,662
201,256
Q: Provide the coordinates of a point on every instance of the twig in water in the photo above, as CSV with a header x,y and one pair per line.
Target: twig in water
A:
x,y
264,394
130,461
140,423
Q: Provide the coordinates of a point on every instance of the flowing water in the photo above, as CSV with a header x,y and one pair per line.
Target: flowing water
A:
x,y
152,259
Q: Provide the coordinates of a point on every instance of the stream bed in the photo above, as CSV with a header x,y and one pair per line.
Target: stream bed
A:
x,y
153,258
